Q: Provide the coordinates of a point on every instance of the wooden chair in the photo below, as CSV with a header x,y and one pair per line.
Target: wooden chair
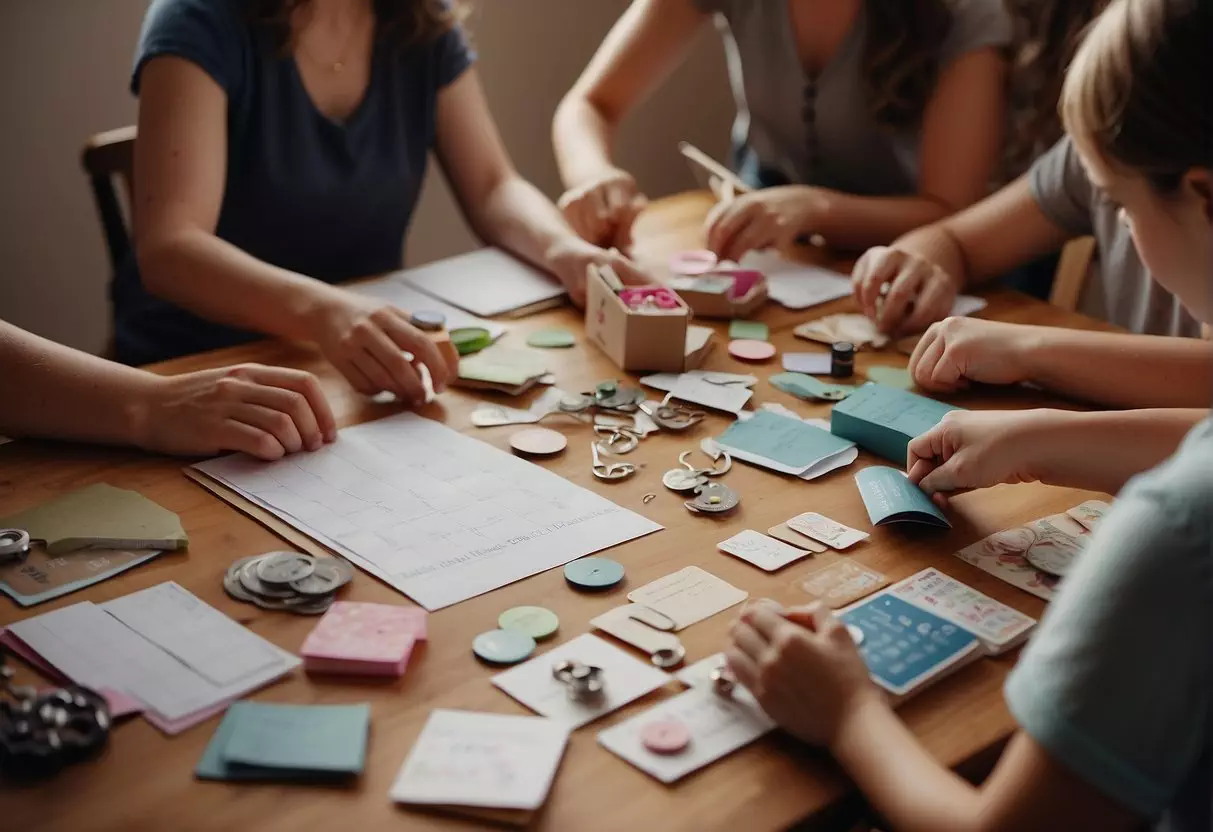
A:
x,y
1072,271
108,158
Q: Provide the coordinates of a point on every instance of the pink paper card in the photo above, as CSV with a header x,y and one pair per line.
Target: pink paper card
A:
x,y
364,639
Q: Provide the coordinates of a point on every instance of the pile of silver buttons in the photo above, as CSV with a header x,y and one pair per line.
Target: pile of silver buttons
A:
x,y
288,581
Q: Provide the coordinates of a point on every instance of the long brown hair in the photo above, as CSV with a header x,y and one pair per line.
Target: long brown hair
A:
x,y
901,56
404,22
1047,34
1139,88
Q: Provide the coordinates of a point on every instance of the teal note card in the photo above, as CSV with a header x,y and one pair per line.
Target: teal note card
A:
x,y
891,498
780,443
265,741
883,420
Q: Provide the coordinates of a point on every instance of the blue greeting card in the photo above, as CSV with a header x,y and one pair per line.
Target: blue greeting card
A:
x,y
780,443
883,420
905,647
891,498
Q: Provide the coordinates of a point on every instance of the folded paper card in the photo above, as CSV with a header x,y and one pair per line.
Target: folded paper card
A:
x,y
890,497
999,627
364,639
782,444
883,420
487,282
806,387
905,647
266,741
504,366
100,517
687,596
766,553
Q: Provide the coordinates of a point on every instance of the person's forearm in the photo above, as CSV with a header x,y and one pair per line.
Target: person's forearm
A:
x,y
1101,451
909,788
854,223
56,392
217,281
581,138
1121,370
517,217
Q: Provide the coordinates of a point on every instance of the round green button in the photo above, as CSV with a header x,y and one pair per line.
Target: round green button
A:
x,y
536,622
593,573
503,646
470,339
551,339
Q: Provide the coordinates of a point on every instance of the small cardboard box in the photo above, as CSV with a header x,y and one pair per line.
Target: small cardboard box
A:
x,y
718,304
653,341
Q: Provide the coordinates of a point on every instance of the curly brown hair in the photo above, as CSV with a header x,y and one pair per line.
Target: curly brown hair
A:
x,y
901,56
1047,34
406,22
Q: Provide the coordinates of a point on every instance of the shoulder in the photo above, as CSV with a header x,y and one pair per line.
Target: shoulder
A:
x,y
210,33
1060,186
976,24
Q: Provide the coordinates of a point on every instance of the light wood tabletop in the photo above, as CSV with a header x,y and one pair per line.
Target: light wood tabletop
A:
x,y
144,780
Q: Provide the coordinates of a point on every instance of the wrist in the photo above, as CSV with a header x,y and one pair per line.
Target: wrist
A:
x,y
864,710
1034,354
1048,435
137,412
313,311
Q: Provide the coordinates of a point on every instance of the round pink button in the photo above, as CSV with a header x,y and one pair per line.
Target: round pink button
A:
x,y
667,736
747,350
700,261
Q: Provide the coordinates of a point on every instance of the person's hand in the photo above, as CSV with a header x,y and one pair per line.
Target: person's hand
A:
x,y
802,666
766,218
569,258
957,351
263,411
375,347
602,210
971,449
918,292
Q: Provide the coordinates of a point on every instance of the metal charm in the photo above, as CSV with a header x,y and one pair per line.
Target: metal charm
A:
x,y
14,545
714,498
668,657
584,681
610,470
619,440
723,682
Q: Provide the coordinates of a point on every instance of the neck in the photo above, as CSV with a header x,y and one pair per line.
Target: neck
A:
x,y
336,10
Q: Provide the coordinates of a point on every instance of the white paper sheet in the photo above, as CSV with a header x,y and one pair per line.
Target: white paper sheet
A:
x,y
688,596
464,758
730,398
627,678
667,381
397,292
718,725
486,282
92,647
438,515
796,285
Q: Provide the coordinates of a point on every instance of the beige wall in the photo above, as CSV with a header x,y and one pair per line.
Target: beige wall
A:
x,y
63,73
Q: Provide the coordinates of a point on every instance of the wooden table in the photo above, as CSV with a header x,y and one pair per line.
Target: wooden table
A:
x,y
144,780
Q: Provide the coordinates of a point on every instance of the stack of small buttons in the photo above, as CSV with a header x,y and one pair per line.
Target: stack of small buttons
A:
x,y
288,581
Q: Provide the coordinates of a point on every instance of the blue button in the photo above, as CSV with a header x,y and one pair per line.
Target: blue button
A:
x,y
503,646
593,573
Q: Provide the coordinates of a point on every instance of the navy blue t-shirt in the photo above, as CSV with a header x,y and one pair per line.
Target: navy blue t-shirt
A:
x,y
327,200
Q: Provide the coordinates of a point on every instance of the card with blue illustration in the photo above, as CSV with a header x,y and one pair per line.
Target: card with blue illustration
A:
x,y
907,648
890,497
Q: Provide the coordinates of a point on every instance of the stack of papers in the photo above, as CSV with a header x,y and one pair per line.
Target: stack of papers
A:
x,y
287,743
786,445
468,759
511,371
364,639
487,282
183,659
999,627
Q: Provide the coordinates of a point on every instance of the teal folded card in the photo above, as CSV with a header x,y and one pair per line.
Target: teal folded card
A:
x,y
891,498
264,741
789,446
883,420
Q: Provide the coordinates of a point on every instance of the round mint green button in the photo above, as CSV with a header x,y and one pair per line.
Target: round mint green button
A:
x,y
536,622
470,339
551,339
503,646
593,573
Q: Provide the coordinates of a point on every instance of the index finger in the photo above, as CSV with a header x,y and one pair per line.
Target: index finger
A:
x,y
872,271
407,338
766,619
928,447
306,384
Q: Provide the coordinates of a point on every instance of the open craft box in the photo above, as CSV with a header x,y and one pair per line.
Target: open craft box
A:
x,y
660,341
714,295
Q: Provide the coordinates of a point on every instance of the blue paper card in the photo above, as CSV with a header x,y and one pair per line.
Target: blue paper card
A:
x,y
779,443
905,647
265,741
890,497
883,420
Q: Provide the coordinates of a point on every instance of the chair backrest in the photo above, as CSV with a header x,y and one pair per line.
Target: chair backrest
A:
x,y
108,158
1072,270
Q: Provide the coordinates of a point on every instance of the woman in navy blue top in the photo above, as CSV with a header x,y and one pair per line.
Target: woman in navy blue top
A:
x,y
282,147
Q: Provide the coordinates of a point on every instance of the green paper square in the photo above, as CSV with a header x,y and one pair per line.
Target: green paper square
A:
x,y
748,331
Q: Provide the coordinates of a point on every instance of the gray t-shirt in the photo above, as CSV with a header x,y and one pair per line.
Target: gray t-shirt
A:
x,y
1121,291
1117,683
841,146
325,199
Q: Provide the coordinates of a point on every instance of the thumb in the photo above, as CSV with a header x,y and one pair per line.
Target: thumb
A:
x,y
948,476
810,616
627,271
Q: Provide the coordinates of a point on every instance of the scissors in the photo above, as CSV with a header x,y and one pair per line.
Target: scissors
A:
x,y
610,470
